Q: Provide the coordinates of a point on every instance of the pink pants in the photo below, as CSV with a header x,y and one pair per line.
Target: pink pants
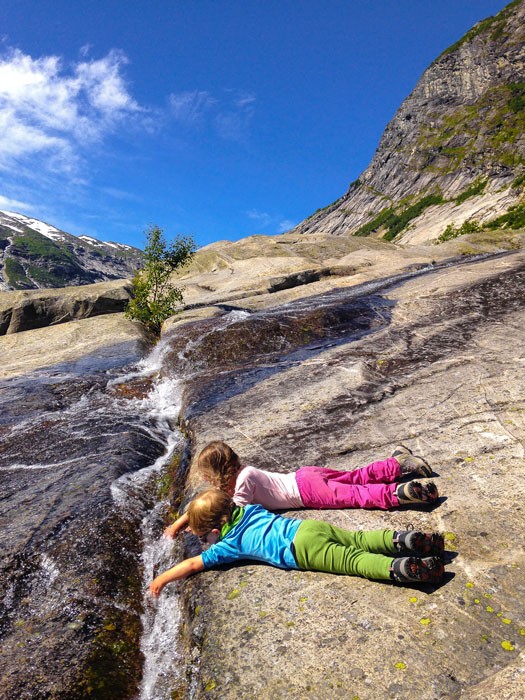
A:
x,y
369,487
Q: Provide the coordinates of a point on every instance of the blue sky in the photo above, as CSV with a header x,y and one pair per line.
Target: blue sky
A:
x,y
212,118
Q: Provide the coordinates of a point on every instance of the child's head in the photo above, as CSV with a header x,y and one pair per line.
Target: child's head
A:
x,y
219,465
210,510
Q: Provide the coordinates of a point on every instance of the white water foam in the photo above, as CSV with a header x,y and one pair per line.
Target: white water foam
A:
x,y
160,622
151,364
17,466
162,405
160,619
50,568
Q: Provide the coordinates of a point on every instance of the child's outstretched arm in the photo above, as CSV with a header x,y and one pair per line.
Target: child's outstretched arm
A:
x,y
177,572
179,524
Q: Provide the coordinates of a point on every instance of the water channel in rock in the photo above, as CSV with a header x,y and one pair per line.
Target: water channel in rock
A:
x,y
81,447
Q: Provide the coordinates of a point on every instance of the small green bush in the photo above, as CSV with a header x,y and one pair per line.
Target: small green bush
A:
x,y
154,298
15,274
401,221
514,219
517,101
375,224
395,223
519,181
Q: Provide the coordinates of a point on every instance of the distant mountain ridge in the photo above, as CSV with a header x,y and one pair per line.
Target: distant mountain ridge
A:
x,y
455,149
34,254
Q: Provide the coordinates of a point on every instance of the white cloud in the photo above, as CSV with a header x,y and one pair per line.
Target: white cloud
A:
x,y
244,100
6,203
230,126
85,50
191,107
52,111
262,218
116,193
269,222
230,114
286,225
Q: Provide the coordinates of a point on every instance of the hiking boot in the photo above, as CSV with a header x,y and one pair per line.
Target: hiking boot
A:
x,y
419,544
409,463
416,570
416,492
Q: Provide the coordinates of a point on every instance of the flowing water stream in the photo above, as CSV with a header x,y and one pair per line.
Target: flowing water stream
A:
x,y
160,619
163,663
81,448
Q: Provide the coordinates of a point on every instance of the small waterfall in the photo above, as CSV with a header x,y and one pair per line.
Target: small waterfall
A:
x,y
160,619
163,663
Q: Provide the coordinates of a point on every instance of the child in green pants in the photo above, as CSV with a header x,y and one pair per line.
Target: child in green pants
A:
x,y
254,533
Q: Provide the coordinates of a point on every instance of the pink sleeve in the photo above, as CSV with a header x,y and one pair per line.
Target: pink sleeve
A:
x,y
244,487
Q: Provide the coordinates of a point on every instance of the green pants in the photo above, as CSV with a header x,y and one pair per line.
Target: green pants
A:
x,y
323,547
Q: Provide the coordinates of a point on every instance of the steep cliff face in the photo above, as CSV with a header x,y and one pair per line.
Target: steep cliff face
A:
x,y
456,145
35,255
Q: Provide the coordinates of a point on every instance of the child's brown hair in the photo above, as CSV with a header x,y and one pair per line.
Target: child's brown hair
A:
x,y
218,464
210,510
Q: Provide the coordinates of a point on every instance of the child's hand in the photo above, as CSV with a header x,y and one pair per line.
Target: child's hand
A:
x,y
156,586
177,527
170,532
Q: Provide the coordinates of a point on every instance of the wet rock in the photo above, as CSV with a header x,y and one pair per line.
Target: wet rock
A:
x,y
70,571
335,371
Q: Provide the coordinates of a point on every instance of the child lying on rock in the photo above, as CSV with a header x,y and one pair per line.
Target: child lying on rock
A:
x,y
251,532
373,486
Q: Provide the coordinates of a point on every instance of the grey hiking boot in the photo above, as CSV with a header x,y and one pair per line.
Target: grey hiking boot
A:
x,y
419,544
410,464
416,570
416,492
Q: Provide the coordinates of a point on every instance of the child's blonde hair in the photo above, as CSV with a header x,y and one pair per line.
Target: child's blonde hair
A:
x,y
218,464
210,510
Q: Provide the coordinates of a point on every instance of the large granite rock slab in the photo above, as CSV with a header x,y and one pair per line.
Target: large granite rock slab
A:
x,y
333,355
433,360
260,272
99,341
288,265
456,133
26,310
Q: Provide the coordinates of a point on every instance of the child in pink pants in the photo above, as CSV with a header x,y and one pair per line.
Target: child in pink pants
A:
x,y
373,486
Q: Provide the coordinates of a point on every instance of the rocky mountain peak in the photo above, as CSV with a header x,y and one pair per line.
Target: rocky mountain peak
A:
x,y
34,254
455,149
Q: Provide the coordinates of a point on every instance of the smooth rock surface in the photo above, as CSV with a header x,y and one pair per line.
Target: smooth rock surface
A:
x,y
27,310
260,272
102,340
434,361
